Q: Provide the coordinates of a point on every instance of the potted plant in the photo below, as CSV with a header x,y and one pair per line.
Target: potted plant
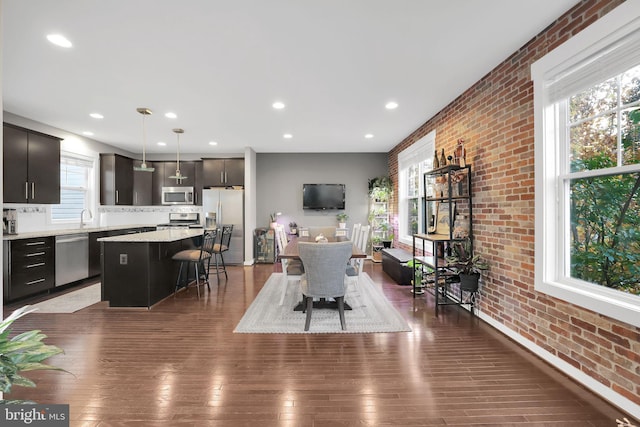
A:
x,y
376,249
380,188
23,352
387,238
342,219
466,265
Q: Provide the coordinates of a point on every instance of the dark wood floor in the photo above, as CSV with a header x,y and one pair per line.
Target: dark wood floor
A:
x,y
180,364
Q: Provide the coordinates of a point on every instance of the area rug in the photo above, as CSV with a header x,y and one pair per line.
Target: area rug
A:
x,y
71,301
371,311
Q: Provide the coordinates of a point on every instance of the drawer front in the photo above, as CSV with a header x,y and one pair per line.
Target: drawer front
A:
x,y
32,245
23,284
23,262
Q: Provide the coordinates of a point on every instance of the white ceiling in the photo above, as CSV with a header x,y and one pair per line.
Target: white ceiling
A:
x,y
220,64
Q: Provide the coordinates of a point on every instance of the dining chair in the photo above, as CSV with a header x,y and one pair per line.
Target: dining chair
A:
x,y
200,258
355,232
356,265
220,248
292,269
324,274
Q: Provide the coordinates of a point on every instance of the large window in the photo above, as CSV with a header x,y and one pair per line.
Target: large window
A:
x,y
75,188
587,105
412,163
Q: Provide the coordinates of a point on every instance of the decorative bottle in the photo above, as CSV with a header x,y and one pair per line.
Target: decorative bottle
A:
x,y
443,159
436,163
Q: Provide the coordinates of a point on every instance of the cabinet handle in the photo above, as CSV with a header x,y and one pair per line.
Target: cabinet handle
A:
x,y
36,253
39,264
135,200
26,190
35,243
116,197
225,177
33,282
33,190
221,176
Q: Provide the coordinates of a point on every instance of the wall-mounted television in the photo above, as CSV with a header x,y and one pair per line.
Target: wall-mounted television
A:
x,y
323,196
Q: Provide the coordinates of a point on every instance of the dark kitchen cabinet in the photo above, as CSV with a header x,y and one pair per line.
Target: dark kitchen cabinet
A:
x,y
197,193
31,166
142,185
191,169
223,172
28,266
187,169
116,179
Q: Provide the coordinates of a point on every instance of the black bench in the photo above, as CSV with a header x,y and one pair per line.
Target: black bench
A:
x,y
394,264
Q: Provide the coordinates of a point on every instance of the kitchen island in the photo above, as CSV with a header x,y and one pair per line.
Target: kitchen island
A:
x,y
137,269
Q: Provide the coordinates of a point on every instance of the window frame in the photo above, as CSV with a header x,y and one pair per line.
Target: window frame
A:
x,y
582,53
422,150
89,190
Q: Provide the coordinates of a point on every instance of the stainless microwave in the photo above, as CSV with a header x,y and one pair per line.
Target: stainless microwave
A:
x,y
177,196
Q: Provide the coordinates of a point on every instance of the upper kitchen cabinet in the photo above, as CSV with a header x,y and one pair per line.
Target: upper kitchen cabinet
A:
x,y
31,166
142,185
191,169
116,179
223,172
187,169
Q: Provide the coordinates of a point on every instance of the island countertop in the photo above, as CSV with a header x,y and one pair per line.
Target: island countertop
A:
x,y
171,235
61,232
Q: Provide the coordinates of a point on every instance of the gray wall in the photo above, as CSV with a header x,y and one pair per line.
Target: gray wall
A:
x,y
280,177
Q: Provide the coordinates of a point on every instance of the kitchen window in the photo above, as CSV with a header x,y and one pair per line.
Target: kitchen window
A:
x,y
412,163
587,147
76,176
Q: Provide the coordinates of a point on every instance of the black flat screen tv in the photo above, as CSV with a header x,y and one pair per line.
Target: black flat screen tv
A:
x,y
323,196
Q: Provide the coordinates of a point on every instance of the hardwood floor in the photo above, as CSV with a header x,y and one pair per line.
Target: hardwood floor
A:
x,y
180,364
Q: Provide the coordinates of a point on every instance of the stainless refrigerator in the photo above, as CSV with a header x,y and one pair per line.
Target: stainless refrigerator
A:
x,y
228,206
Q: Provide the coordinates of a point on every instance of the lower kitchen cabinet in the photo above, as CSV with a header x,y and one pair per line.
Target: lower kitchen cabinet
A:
x,y
28,266
94,245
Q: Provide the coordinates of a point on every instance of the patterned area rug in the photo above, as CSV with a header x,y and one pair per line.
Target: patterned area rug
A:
x,y
71,301
371,313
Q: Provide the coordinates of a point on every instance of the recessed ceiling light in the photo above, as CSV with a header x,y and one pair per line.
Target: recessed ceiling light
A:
x,y
391,105
87,133
278,105
171,115
59,40
369,136
287,136
213,143
97,115
162,144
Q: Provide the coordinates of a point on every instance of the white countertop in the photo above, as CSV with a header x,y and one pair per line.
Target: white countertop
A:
x,y
171,235
47,233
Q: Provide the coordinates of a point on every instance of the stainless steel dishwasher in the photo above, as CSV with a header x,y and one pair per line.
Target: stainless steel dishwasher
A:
x,y
72,258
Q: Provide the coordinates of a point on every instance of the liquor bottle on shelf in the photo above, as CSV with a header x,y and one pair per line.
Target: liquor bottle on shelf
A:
x,y
443,159
436,163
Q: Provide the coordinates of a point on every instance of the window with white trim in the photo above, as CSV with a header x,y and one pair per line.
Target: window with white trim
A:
x,y
587,145
412,163
76,194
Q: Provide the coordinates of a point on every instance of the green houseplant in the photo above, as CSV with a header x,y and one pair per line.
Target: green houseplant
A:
x,y
21,353
467,265
342,219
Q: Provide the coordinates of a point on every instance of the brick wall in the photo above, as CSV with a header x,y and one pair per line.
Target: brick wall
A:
x,y
495,117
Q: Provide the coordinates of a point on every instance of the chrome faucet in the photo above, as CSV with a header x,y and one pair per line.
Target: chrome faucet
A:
x,y
82,216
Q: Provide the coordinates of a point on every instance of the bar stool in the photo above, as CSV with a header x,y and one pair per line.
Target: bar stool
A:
x,y
200,258
220,248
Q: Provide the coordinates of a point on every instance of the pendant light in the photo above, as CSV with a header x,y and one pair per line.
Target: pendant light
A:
x,y
178,176
143,167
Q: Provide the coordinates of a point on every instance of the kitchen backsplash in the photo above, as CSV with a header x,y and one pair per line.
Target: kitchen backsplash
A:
x,y
38,218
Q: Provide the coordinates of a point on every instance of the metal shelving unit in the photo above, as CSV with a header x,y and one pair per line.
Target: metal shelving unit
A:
x,y
448,217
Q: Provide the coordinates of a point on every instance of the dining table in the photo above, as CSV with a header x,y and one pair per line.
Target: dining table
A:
x,y
291,252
